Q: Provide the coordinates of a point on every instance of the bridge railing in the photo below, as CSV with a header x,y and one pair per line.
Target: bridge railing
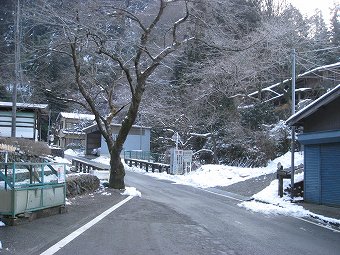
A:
x,y
145,155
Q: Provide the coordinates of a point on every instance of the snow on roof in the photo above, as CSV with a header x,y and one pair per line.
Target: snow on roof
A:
x,y
24,105
320,68
325,67
78,116
94,127
302,89
314,106
270,90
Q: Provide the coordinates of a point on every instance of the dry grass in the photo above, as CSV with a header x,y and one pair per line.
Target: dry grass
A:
x,y
27,146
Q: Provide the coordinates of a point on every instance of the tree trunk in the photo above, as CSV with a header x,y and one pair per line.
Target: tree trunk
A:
x,y
215,158
117,171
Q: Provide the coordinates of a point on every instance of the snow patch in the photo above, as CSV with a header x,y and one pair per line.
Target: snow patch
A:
x,y
61,160
70,152
67,202
131,191
102,159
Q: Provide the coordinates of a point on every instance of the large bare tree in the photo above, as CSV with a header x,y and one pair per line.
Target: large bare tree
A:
x,y
115,46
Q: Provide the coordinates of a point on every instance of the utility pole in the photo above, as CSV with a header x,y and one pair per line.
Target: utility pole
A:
x,y
141,132
17,70
293,127
49,128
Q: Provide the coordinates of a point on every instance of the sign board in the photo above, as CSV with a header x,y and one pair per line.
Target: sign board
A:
x,y
61,173
180,161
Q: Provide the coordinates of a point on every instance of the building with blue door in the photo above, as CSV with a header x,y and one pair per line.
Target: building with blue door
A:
x,y
321,139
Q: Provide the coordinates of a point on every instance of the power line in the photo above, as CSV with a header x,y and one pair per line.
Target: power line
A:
x,y
323,77
316,65
317,50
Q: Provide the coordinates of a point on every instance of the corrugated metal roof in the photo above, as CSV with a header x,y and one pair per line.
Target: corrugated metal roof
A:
x,y
23,105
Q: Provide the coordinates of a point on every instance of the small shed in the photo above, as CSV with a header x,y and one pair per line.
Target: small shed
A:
x,y
137,139
28,120
321,139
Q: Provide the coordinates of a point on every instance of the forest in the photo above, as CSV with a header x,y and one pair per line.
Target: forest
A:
x,y
176,66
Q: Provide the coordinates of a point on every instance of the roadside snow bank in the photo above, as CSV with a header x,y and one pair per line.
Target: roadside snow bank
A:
x,y
269,202
222,175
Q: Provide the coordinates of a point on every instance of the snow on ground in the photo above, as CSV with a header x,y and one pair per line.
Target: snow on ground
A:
x,y
71,152
1,225
61,160
131,191
267,201
102,159
221,175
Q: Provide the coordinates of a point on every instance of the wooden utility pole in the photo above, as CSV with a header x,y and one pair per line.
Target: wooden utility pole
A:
x,y
17,69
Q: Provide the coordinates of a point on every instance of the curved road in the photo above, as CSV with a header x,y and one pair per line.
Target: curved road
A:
x,y
168,219
174,219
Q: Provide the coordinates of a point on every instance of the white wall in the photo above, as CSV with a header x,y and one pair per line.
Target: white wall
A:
x,y
24,124
133,142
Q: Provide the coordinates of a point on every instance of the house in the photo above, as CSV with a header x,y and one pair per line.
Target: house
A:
x,y
321,139
28,120
137,139
309,85
69,127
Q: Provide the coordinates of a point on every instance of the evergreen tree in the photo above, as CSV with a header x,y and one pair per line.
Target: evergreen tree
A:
x,y
335,33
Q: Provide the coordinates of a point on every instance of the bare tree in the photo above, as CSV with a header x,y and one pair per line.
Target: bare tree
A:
x,y
114,47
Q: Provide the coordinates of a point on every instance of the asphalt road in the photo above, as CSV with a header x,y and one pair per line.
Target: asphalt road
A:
x,y
175,219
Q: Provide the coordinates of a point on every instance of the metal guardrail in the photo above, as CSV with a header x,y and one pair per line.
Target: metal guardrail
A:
x,y
147,165
145,155
85,166
147,160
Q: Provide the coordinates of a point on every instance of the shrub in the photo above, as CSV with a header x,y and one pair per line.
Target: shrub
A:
x,y
260,113
81,184
26,149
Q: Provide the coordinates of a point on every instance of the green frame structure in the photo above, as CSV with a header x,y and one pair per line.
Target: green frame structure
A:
x,y
28,187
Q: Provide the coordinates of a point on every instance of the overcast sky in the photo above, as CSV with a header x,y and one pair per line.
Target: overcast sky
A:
x,y
308,6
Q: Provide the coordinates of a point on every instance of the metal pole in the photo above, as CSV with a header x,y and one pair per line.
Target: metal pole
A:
x,y
141,132
293,127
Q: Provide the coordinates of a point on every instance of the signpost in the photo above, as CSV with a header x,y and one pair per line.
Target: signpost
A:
x,y
180,161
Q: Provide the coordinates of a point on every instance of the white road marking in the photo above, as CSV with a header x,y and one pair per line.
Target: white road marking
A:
x,y
53,249
317,224
215,193
302,219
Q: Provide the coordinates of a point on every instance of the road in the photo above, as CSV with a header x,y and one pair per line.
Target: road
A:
x,y
175,219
